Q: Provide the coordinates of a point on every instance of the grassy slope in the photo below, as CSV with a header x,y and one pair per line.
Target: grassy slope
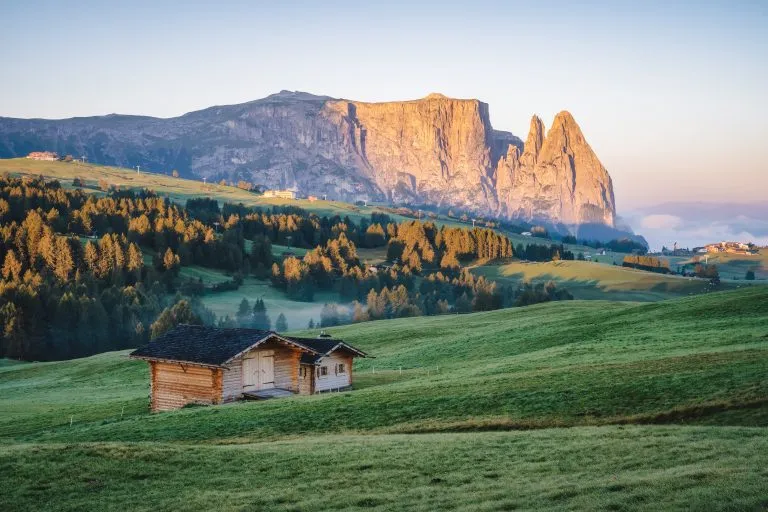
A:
x,y
297,313
735,266
699,361
178,189
610,468
588,280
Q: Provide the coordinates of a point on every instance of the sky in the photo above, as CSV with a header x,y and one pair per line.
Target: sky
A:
x,y
672,98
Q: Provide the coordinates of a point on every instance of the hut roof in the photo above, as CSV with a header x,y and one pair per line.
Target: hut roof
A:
x,y
215,346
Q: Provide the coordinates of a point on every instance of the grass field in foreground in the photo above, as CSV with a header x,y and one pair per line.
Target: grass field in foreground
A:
x,y
698,360
588,280
607,468
667,404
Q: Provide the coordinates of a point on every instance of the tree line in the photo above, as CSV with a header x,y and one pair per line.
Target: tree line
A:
x,y
83,274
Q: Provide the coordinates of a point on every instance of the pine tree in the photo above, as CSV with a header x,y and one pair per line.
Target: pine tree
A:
x,y
260,317
12,267
359,314
311,324
282,323
64,260
170,260
179,313
243,315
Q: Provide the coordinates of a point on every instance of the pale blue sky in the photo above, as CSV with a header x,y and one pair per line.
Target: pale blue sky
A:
x,y
672,98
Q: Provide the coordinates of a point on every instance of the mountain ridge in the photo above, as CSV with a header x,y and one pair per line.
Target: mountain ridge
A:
x,y
435,150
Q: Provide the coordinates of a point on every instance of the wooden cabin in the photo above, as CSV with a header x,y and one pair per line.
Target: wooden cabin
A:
x,y
194,364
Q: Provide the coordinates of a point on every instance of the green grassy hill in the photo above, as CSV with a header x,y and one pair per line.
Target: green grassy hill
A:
x,y
668,404
589,280
731,266
177,189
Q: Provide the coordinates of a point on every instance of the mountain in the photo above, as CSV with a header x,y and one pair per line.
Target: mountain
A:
x,y
438,151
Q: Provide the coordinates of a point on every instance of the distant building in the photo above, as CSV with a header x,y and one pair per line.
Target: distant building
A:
x,y
312,198
285,194
729,247
43,155
526,233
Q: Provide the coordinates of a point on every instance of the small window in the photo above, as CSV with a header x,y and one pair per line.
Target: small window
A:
x,y
340,368
323,371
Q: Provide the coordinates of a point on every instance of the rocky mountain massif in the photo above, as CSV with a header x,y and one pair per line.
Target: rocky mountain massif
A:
x,y
437,150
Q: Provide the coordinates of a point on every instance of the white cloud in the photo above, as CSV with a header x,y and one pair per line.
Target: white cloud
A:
x,y
661,221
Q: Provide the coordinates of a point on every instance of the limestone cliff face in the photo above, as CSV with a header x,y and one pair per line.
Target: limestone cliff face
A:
x,y
436,150
557,177
433,151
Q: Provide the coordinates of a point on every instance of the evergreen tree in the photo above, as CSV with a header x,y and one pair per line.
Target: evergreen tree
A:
x,y
260,317
282,323
244,315
179,313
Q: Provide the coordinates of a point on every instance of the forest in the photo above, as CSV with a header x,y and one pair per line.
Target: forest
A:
x,y
84,273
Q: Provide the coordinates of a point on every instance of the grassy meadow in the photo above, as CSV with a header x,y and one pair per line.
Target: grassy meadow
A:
x,y
590,280
177,189
734,266
297,313
665,404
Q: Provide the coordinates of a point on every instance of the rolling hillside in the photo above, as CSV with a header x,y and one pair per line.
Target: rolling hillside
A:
x,y
613,370
589,280
177,189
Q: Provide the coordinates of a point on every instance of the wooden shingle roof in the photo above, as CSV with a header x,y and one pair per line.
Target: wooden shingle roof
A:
x,y
214,346
322,347
204,345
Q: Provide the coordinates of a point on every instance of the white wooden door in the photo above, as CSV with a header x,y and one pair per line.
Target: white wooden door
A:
x,y
250,372
267,369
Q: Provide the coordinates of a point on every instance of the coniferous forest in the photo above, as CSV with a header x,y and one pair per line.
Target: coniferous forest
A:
x,y
85,273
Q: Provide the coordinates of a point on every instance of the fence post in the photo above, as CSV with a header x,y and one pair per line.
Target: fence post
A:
x,y
401,370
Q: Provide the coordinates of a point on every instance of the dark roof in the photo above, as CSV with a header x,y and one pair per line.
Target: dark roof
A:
x,y
323,346
215,346
202,344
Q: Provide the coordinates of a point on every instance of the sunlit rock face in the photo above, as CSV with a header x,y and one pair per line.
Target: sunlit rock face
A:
x,y
437,151
557,177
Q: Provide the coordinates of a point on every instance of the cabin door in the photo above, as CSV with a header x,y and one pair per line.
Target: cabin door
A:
x,y
259,370
266,369
250,372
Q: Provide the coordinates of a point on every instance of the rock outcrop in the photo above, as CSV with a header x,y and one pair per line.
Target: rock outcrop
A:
x,y
436,150
557,177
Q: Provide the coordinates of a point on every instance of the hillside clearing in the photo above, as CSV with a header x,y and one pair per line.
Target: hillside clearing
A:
x,y
588,280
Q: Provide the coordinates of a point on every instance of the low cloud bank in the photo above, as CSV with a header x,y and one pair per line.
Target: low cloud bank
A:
x,y
697,224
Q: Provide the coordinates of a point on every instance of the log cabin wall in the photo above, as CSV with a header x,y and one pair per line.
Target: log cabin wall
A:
x,y
174,385
287,368
233,381
334,379
306,379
